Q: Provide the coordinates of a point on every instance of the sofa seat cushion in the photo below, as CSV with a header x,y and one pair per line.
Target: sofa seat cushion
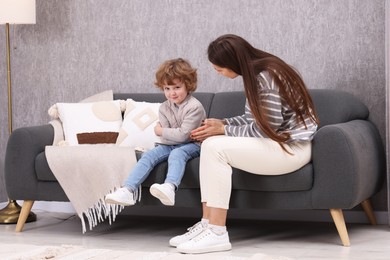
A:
x,y
44,172
299,180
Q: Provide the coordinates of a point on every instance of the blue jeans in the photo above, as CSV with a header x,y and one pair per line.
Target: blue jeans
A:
x,y
177,157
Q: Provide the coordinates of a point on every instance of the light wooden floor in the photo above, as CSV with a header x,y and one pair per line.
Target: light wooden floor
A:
x,y
296,240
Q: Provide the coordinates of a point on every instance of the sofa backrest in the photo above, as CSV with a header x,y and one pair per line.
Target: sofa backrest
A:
x,y
332,106
204,97
336,106
227,104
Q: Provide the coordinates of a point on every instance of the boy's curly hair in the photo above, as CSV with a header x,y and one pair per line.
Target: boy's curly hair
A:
x,y
176,69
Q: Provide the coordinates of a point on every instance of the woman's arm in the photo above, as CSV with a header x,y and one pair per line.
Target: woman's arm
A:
x,y
210,127
244,126
237,120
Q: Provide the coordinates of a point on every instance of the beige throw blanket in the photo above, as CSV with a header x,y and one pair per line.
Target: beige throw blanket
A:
x,y
87,173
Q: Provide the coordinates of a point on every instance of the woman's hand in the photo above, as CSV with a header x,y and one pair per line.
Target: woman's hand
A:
x,y
210,127
158,129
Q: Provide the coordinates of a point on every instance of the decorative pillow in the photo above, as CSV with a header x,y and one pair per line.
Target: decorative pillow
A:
x,y
58,139
137,129
103,116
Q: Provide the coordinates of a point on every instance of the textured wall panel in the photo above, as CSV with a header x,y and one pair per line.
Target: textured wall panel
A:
x,y
78,48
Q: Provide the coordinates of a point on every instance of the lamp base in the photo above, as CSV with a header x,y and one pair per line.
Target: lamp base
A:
x,y
10,214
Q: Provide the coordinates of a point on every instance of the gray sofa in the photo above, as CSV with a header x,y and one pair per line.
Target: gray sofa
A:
x,y
347,167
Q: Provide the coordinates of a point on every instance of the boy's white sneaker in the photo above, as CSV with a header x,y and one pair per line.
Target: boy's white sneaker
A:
x,y
191,233
164,192
206,242
121,196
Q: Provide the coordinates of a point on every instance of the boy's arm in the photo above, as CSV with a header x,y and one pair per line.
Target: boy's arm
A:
x,y
192,120
163,120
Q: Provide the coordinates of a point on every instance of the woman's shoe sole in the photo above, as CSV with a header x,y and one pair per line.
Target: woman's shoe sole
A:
x,y
216,248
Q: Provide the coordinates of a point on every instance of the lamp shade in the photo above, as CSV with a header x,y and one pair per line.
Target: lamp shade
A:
x,y
17,11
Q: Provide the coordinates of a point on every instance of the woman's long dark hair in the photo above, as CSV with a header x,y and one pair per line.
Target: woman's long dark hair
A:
x,y
233,52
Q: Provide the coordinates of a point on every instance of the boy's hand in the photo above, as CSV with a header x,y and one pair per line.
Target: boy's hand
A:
x,y
158,129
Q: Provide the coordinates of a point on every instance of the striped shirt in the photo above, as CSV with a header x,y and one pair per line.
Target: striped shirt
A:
x,y
281,117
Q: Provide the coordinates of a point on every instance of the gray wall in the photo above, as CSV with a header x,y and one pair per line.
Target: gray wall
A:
x,y
79,48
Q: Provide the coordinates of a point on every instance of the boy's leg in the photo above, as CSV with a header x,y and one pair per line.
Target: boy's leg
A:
x,y
128,194
177,162
176,165
146,164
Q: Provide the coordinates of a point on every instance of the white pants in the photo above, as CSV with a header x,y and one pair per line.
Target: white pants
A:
x,y
261,156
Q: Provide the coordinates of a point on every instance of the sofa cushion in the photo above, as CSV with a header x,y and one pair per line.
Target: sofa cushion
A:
x,y
299,180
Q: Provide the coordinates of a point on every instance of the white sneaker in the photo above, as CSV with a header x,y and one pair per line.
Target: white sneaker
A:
x,y
192,232
206,242
164,192
121,196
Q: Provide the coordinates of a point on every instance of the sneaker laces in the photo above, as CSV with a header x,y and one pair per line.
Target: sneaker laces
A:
x,y
193,228
202,235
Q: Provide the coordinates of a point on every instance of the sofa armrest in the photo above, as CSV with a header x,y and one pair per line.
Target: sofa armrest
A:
x,y
24,144
349,164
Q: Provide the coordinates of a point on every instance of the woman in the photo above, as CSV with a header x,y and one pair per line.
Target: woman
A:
x,y
273,137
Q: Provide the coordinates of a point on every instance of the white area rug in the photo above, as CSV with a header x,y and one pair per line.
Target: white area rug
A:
x,y
70,252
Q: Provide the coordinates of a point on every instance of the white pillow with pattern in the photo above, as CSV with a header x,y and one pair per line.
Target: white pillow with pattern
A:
x,y
137,129
95,117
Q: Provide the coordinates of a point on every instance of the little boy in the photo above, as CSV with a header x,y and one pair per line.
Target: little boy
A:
x,y
178,116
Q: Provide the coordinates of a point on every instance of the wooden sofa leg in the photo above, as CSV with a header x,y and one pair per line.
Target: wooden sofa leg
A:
x,y
369,212
338,218
26,208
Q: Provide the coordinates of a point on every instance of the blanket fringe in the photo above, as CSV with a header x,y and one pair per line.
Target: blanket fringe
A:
x,y
138,193
98,213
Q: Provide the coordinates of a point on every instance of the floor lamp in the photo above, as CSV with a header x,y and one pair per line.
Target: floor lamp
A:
x,y
14,12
